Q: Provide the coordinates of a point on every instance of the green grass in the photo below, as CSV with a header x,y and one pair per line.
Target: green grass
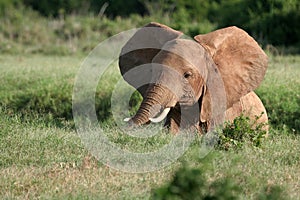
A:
x,y
41,156
280,92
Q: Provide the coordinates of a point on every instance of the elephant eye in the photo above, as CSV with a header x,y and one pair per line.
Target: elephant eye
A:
x,y
187,74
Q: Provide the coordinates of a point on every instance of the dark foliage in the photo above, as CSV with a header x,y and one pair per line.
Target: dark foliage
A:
x,y
269,21
192,184
112,8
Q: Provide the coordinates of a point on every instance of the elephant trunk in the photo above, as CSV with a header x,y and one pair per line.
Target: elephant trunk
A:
x,y
157,98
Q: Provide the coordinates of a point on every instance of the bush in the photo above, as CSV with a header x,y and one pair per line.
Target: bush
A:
x,y
78,26
273,193
242,130
55,7
68,35
191,184
6,5
111,8
270,21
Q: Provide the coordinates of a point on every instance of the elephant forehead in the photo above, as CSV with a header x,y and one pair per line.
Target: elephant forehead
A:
x,y
170,59
183,54
188,49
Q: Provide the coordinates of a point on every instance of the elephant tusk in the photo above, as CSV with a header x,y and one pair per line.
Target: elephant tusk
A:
x,y
161,116
127,119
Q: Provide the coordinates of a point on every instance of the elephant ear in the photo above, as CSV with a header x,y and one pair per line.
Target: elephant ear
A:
x,y
141,49
239,59
213,99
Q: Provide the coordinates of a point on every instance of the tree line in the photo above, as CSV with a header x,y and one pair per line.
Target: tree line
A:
x,y
269,21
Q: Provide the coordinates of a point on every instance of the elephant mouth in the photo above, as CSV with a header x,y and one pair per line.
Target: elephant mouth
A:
x,y
187,102
164,112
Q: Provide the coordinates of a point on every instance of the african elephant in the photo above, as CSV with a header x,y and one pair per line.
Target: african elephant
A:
x,y
193,83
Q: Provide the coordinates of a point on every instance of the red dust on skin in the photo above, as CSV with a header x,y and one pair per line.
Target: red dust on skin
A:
x,y
188,78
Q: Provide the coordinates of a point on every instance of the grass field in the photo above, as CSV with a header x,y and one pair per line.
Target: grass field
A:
x,y
43,157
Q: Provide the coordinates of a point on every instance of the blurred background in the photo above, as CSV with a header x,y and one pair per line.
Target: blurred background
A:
x,y
75,26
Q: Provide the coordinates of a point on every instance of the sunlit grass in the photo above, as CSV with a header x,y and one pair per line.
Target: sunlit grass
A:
x,y
43,157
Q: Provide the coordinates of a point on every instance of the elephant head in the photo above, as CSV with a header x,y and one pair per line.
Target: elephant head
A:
x,y
191,82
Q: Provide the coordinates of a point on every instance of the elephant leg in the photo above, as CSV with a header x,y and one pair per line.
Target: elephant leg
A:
x,y
250,106
173,120
173,126
255,110
189,122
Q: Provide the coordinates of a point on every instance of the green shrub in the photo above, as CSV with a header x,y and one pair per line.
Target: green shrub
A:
x,y
190,183
112,8
7,5
54,8
242,130
269,21
59,36
273,193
